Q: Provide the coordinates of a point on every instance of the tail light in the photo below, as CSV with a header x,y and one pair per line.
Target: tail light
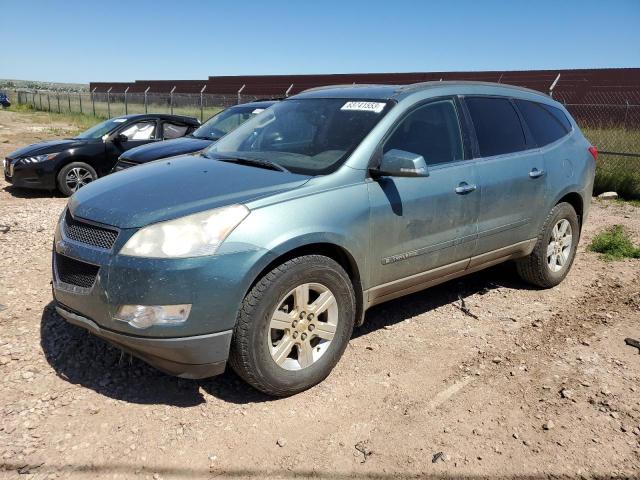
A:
x,y
594,152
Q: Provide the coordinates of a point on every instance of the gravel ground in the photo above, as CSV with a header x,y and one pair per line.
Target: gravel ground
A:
x,y
540,384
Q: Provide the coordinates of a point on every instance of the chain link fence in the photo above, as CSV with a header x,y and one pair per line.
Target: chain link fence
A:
x,y
107,105
611,121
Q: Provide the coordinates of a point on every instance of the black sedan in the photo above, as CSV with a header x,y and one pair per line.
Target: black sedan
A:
x,y
69,164
210,131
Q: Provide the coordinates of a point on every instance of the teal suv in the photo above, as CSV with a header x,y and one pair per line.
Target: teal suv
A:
x,y
265,250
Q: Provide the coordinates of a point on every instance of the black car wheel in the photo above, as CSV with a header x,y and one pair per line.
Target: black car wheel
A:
x,y
74,176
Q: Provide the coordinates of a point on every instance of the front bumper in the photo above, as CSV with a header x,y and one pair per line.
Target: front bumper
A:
x,y
38,175
199,356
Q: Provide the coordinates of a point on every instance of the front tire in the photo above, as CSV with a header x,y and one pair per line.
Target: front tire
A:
x,y
74,176
294,325
554,252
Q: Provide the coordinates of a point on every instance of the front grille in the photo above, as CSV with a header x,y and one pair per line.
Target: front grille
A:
x,y
87,233
74,272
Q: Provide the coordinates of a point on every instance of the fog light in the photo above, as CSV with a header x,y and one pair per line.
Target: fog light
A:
x,y
144,316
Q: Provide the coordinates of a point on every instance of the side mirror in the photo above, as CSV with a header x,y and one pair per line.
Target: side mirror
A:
x,y
121,138
399,163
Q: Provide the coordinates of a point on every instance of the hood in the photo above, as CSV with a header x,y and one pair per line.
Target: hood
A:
x,y
51,146
167,148
173,188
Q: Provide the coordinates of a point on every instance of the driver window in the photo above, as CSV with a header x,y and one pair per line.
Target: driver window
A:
x,y
140,131
432,131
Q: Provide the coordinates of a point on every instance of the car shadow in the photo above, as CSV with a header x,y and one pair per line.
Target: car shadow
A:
x,y
84,359
18,192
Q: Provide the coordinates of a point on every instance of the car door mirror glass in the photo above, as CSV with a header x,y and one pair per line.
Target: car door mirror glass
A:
x,y
400,163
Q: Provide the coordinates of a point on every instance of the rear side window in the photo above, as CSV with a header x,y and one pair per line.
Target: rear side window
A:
x,y
173,130
545,127
497,125
431,131
559,115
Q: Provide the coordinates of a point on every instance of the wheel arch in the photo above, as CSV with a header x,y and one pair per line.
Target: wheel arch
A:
x,y
574,199
331,249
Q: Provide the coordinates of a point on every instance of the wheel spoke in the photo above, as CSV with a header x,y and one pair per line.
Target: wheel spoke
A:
x,y
554,232
566,240
301,297
550,249
322,303
281,320
324,330
561,259
563,227
305,354
282,350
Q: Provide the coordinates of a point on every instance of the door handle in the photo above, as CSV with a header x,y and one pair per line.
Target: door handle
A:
x,y
465,188
535,173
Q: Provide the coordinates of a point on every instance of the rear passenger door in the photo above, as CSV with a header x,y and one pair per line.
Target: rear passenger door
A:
x,y
511,173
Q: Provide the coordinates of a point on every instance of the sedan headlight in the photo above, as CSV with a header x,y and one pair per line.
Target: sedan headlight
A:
x,y
40,158
195,235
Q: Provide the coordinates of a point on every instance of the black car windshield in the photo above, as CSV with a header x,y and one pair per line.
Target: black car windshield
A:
x,y
97,131
308,136
222,123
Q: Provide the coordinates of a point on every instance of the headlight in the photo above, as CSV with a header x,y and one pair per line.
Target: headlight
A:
x,y
191,236
40,158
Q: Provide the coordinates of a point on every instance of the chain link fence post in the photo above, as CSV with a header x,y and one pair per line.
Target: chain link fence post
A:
x,y
48,102
69,99
146,108
80,101
58,98
109,102
202,103
126,106
171,99
93,100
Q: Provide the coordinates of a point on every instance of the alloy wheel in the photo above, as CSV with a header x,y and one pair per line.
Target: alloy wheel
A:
x,y
559,247
77,178
302,326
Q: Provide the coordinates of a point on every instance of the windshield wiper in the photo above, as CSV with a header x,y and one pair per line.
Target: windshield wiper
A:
x,y
262,163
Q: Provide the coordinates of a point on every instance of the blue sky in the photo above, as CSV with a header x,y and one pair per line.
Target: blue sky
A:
x,y
80,41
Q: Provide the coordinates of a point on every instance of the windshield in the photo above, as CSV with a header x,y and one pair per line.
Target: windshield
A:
x,y
97,131
222,123
309,136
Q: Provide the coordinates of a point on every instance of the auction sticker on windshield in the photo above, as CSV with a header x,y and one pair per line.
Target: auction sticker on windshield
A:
x,y
375,107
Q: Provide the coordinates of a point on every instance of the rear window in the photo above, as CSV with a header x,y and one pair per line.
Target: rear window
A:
x,y
497,125
545,127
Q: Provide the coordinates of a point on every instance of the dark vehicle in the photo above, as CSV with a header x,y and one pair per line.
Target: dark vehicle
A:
x,y
4,100
71,163
210,131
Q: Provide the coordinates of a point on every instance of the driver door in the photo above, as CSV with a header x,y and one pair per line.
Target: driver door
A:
x,y
423,227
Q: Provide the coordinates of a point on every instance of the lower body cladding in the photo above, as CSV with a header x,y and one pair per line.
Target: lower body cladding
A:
x,y
200,356
90,286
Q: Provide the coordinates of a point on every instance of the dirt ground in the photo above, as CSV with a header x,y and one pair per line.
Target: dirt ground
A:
x,y
540,384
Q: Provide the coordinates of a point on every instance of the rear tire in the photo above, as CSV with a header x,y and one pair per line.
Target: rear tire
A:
x,y
74,176
554,252
280,346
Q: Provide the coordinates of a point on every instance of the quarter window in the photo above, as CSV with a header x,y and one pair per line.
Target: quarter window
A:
x,y
544,126
172,130
140,131
432,131
497,126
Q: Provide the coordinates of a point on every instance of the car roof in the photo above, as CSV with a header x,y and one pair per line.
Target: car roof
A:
x,y
163,116
397,92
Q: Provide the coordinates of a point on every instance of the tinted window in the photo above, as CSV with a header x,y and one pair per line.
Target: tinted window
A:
x,y
558,115
431,131
497,126
544,127
173,130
